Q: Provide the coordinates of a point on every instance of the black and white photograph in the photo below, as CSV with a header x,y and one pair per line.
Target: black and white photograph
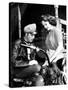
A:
x,y
37,44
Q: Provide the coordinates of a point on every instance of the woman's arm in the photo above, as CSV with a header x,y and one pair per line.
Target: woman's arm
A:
x,y
57,52
59,47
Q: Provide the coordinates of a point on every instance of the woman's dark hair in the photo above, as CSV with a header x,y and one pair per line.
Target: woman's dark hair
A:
x,y
50,19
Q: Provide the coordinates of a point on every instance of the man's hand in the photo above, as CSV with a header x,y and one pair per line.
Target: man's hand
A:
x,y
37,49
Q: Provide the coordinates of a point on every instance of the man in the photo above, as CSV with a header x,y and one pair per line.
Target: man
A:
x,y
24,53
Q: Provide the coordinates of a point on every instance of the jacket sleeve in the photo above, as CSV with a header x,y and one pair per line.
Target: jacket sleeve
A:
x,y
15,50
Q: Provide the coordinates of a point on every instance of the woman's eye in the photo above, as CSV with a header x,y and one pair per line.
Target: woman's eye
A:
x,y
45,24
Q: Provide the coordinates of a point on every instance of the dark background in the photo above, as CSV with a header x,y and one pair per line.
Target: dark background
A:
x,y
30,13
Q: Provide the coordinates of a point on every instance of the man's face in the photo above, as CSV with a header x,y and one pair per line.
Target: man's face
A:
x,y
46,24
30,37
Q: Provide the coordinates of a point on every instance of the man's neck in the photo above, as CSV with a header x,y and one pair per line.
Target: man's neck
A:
x,y
26,41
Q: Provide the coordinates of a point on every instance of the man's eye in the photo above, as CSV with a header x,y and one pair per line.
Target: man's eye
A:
x,y
32,35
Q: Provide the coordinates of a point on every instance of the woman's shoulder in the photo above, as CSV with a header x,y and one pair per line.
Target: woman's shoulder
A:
x,y
55,31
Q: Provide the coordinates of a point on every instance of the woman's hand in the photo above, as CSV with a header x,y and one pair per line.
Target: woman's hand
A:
x,y
45,64
33,62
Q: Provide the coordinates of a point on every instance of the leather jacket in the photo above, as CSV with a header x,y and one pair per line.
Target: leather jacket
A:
x,y
20,54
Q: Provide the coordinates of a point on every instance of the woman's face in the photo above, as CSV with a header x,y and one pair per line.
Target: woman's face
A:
x,y
46,24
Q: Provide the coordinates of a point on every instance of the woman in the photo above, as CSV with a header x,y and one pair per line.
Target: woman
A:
x,y
53,41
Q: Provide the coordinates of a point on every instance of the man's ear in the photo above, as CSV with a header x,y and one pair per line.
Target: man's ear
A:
x,y
26,34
